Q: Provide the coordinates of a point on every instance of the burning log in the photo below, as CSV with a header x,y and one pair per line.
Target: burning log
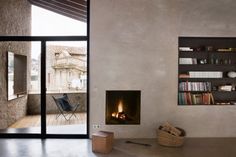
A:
x,y
120,115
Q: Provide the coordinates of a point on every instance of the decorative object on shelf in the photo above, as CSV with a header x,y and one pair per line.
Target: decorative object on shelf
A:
x,y
184,76
231,74
233,102
209,48
225,88
168,135
202,61
226,49
214,88
200,48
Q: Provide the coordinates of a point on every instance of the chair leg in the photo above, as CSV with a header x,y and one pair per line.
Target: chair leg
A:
x,y
73,113
66,117
58,115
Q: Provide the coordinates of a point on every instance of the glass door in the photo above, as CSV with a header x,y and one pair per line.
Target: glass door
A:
x,y
46,87
66,84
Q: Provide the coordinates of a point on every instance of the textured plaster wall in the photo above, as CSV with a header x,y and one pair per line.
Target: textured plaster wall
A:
x,y
134,45
15,17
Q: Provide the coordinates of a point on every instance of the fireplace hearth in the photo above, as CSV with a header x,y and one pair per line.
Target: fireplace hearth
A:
x,y
123,107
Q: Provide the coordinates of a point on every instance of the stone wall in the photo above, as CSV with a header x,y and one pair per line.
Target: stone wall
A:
x,y
15,17
33,104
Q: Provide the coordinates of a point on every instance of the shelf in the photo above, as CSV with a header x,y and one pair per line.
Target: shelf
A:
x,y
207,67
213,70
222,92
207,79
207,55
210,65
194,91
208,105
194,52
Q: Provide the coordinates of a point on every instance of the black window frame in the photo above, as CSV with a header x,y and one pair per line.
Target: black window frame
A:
x,y
43,40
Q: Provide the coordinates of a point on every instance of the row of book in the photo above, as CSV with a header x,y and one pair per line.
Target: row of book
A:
x,y
195,86
207,48
202,74
205,74
188,98
191,61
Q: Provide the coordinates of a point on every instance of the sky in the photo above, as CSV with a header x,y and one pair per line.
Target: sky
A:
x,y
47,23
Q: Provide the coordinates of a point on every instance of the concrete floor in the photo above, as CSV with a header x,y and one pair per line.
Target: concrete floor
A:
x,y
199,147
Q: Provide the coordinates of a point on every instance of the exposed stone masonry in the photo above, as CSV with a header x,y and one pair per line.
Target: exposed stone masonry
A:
x,y
15,17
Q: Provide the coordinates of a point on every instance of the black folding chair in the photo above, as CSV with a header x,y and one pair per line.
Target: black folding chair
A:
x,y
65,108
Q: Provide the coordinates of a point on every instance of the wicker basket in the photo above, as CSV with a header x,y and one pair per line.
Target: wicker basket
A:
x,y
166,139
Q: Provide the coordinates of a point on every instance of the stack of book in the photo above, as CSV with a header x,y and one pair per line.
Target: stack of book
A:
x,y
205,74
196,99
187,60
195,86
185,49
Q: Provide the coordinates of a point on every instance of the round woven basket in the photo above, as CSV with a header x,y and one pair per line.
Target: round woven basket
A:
x,y
166,139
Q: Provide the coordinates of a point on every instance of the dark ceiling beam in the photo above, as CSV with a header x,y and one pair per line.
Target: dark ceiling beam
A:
x,y
60,6
75,6
79,2
66,9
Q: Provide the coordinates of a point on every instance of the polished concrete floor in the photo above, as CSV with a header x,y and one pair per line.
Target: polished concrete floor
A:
x,y
55,125
200,147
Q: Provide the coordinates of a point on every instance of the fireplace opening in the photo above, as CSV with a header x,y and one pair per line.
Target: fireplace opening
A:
x,y
123,107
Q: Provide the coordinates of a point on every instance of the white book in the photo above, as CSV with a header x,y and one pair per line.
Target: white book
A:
x,y
185,61
185,49
205,74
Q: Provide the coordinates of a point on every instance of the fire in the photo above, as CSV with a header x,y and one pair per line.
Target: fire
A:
x,y
120,106
113,114
120,113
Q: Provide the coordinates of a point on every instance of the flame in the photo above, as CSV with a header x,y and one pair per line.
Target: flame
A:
x,y
120,106
113,114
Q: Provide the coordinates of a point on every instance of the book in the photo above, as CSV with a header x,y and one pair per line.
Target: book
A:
x,y
205,74
187,61
194,86
188,98
183,75
185,49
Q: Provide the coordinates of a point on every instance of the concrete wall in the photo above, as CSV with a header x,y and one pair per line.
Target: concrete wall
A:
x,y
15,17
134,46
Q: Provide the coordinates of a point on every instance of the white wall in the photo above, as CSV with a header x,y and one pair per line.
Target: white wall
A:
x,y
134,45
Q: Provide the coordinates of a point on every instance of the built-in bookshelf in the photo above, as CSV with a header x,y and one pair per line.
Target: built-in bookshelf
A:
x,y
207,71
